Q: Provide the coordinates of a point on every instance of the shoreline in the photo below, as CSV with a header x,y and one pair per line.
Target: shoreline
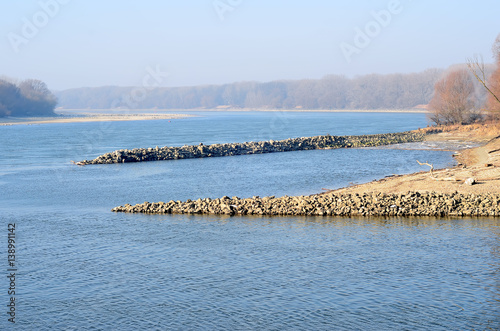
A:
x,y
442,193
481,163
117,115
409,111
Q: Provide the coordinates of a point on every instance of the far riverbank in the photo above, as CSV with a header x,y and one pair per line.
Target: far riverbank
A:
x,y
88,117
118,115
227,109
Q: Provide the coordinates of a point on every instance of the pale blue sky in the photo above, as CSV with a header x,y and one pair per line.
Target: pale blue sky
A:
x,y
111,42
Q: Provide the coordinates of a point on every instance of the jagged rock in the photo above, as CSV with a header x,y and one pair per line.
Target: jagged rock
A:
x,y
272,146
407,204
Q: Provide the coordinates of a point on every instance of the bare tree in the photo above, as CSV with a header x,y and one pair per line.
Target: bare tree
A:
x,y
492,85
476,66
34,89
39,100
453,101
9,97
493,101
30,97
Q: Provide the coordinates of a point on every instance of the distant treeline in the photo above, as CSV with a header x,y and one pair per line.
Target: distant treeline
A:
x,y
375,91
30,97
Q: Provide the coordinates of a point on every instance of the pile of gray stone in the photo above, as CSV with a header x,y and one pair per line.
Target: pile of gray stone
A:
x,y
331,204
261,147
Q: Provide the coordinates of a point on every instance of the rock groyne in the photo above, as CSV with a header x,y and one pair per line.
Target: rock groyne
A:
x,y
271,146
368,204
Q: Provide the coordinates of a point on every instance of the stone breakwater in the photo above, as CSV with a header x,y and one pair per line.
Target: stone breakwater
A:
x,y
368,204
287,145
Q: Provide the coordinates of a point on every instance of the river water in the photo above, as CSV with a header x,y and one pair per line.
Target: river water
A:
x,y
79,266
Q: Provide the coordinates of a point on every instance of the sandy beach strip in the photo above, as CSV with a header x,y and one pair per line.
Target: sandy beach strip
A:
x,y
296,110
115,115
89,118
242,110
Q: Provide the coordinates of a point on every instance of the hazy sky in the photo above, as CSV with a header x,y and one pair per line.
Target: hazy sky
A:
x,y
76,43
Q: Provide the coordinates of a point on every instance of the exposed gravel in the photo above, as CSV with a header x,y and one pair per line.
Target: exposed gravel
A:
x,y
370,204
261,147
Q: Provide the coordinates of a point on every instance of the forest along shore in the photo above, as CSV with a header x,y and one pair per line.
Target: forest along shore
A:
x,y
447,192
272,146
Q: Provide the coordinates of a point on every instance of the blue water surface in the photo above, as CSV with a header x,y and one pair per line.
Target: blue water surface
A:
x,y
81,266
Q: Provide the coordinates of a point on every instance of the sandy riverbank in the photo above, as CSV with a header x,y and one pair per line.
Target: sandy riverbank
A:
x,y
481,163
227,109
85,118
115,115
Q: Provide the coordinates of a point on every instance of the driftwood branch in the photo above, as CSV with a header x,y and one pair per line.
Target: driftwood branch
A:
x,y
427,164
446,179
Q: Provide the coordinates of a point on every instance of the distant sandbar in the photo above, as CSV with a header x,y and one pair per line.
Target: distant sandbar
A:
x,y
89,118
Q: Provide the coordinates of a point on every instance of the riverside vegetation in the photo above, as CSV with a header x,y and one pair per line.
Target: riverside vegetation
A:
x,y
30,97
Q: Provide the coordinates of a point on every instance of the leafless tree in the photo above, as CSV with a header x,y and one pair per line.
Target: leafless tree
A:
x,y
34,89
38,99
28,98
453,101
476,66
492,83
